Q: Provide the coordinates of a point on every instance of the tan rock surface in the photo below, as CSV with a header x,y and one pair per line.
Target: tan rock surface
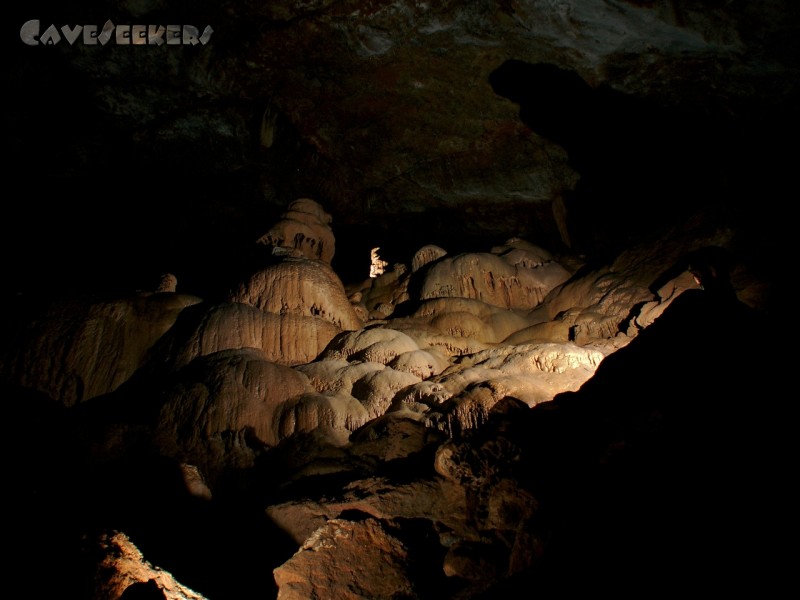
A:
x,y
426,255
76,351
386,291
490,278
422,363
428,338
378,344
229,391
299,286
330,375
532,373
470,318
333,416
287,339
519,252
377,389
305,229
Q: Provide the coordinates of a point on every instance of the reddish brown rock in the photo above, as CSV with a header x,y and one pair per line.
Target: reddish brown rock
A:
x,y
346,560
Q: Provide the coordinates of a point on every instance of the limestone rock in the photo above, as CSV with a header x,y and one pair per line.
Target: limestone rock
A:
x,y
123,566
227,392
394,435
377,389
422,363
346,560
304,287
332,416
491,279
470,318
650,311
426,255
520,252
616,298
78,350
386,291
372,383
532,373
426,497
167,283
333,375
287,339
378,344
549,331
304,228
599,302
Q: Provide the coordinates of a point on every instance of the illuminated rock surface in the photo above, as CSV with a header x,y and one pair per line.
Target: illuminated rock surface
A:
x,y
208,396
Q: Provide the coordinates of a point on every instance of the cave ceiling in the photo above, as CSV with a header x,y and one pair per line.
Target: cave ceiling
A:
x,y
572,124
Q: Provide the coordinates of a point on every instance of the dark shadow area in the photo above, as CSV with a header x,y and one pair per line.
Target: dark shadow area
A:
x,y
60,489
671,467
222,548
143,590
641,165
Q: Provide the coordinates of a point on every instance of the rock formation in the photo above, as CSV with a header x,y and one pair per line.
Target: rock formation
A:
x,y
303,230
565,382
439,450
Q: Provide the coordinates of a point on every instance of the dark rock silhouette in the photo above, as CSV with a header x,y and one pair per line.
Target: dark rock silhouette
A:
x,y
671,465
620,145
143,590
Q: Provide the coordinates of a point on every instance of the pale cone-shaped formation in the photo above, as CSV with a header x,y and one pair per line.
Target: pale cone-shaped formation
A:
x,y
304,287
304,230
231,390
91,349
288,339
491,279
378,564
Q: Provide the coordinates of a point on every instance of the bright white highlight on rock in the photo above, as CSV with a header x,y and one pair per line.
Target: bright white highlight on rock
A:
x,y
376,266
